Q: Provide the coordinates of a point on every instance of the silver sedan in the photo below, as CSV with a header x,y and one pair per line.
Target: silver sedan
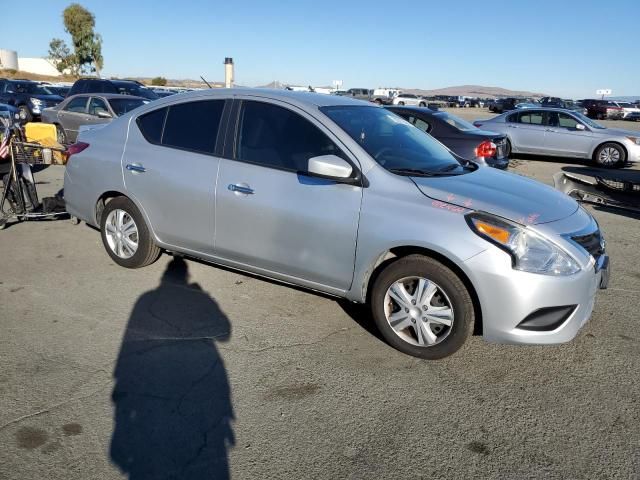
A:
x,y
88,109
347,198
565,133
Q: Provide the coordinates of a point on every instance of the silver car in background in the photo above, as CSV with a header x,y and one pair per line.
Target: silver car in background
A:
x,y
409,99
345,198
565,133
88,109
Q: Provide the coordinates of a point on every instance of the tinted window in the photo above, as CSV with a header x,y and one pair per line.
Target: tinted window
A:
x,y
418,122
534,118
513,118
97,105
77,105
276,137
132,88
193,125
151,124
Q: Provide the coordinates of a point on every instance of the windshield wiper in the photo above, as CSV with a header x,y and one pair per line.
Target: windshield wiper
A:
x,y
448,168
414,172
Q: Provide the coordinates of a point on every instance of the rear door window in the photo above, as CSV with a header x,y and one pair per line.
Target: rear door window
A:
x,y
193,126
532,118
97,105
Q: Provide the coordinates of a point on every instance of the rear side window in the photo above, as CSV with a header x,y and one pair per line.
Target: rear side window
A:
x,y
534,118
276,137
193,126
151,124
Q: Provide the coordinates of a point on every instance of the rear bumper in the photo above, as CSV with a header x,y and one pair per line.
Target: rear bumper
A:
x,y
508,297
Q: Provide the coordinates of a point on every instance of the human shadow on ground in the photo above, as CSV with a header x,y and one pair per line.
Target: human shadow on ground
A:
x,y
172,401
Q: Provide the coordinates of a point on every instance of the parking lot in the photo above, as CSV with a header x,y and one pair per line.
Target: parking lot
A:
x,y
283,383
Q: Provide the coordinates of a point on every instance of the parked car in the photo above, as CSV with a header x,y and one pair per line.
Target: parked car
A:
x,y
409,99
458,135
629,110
80,110
602,109
349,199
61,90
384,96
28,97
556,102
505,104
123,87
565,133
359,93
523,105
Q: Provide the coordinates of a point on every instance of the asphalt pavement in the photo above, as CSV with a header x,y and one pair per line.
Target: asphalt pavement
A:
x,y
185,370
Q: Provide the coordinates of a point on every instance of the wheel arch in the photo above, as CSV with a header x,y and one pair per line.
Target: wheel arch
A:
x,y
395,253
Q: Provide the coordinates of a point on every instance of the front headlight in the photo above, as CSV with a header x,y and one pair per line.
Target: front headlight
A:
x,y
530,251
635,140
36,101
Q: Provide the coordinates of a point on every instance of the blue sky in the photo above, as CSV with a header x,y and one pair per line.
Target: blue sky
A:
x,y
567,48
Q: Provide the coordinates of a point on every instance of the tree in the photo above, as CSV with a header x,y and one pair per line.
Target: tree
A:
x,y
87,45
160,81
60,54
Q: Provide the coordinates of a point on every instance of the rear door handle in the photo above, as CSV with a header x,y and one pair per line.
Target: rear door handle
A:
x,y
132,167
241,188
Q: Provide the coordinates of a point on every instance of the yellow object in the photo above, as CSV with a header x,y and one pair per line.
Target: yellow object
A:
x,y
46,135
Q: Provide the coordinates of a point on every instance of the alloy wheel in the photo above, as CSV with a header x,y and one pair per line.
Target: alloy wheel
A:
x,y
609,156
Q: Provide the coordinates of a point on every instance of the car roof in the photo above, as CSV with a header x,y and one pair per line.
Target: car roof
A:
x,y
109,96
300,98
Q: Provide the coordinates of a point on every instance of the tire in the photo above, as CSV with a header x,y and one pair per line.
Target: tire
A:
x,y
422,104
146,251
25,113
447,290
400,103
377,101
508,149
61,135
609,155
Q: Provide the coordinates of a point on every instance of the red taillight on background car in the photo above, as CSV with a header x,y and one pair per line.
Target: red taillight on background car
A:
x,y
486,149
76,148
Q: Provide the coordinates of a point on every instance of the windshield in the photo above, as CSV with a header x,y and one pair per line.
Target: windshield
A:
x,y
392,141
587,121
456,122
32,88
126,88
625,105
123,105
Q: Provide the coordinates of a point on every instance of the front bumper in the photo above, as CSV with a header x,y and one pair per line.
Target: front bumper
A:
x,y
508,296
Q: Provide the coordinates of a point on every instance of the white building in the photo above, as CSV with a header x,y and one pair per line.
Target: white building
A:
x,y
39,66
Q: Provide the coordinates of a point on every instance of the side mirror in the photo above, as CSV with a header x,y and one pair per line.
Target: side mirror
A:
x,y
580,126
330,167
103,114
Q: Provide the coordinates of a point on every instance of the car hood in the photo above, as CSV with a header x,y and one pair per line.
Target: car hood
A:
x,y
505,194
618,132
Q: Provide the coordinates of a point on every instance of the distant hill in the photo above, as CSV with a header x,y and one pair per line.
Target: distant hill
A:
x,y
475,91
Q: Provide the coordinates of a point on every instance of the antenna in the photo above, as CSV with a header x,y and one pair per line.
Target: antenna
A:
x,y
208,85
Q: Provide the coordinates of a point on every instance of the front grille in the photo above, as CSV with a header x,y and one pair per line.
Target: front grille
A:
x,y
591,242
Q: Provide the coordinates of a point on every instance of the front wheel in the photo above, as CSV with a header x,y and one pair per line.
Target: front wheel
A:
x,y
400,103
25,114
507,149
609,155
422,104
422,308
61,135
125,235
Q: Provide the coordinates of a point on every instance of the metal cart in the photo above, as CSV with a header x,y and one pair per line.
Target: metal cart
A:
x,y
19,200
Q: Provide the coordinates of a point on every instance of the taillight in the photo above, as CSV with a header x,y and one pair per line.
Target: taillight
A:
x,y
486,149
76,148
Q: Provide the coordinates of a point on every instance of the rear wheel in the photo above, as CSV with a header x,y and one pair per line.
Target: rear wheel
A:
x,y
400,103
609,155
422,104
507,149
125,235
422,308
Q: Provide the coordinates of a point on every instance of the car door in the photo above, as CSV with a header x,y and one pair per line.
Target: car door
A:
x,y
170,165
72,115
271,216
563,137
527,132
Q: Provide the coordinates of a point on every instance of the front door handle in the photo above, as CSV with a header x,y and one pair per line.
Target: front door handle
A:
x,y
241,188
133,167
